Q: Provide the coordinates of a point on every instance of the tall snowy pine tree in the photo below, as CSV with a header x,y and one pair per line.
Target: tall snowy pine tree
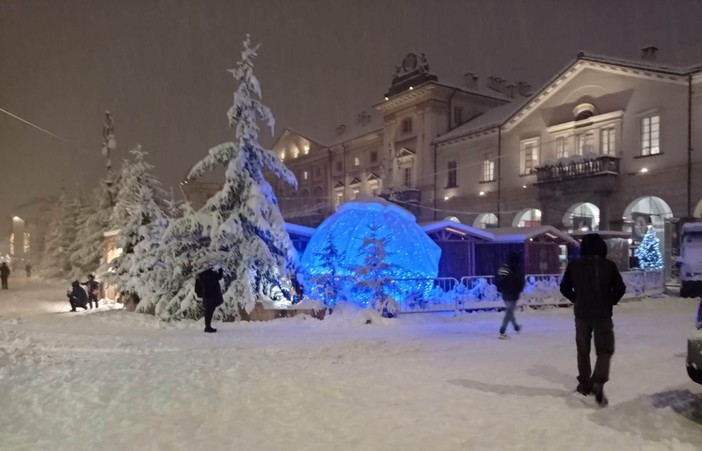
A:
x,y
136,209
247,234
56,262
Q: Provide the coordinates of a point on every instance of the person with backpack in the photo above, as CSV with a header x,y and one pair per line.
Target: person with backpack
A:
x,y
594,285
510,283
207,287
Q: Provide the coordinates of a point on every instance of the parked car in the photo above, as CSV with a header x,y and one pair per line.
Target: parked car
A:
x,y
694,350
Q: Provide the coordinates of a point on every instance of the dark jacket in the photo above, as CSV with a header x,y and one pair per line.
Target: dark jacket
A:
x,y
510,279
207,287
4,271
78,294
93,286
592,282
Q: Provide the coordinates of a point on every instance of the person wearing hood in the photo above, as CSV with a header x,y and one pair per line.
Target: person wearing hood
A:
x,y
207,287
77,297
510,283
593,284
4,274
93,287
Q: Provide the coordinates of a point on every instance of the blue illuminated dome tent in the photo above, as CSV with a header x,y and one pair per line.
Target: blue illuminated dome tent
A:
x,y
410,252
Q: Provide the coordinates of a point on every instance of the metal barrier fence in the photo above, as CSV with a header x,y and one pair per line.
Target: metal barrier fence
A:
x,y
479,292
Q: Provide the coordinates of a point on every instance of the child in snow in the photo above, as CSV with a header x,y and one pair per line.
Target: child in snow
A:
x,y
77,297
510,283
93,287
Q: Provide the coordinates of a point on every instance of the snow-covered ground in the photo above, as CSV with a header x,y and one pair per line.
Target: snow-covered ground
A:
x,y
112,380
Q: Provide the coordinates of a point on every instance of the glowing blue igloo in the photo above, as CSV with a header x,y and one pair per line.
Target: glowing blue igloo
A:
x,y
413,255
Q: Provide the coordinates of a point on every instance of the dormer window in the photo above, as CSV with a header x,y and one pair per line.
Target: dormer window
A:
x,y
584,111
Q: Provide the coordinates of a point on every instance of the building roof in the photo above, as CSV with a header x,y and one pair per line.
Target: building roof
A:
x,y
522,234
299,229
435,226
357,129
502,115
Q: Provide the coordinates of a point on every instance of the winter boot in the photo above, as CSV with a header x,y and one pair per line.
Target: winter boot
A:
x,y
600,397
503,336
210,330
518,328
583,390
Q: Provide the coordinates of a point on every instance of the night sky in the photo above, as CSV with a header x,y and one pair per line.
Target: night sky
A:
x,y
160,67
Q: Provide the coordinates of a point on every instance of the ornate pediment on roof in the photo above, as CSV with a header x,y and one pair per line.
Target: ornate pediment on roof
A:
x,y
355,181
405,152
372,176
339,185
413,71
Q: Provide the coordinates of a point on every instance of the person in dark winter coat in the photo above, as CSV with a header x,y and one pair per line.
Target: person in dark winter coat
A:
x,y
93,287
77,297
594,285
207,287
4,274
510,283
28,268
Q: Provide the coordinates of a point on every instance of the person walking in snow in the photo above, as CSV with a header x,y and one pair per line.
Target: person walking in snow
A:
x,y
28,268
4,274
93,287
510,283
207,287
594,285
77,297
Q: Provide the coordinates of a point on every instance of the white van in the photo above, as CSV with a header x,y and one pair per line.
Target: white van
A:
x,y
691,260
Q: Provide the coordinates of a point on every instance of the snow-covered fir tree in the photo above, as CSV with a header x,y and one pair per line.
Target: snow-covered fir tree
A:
x,y
88,255
649,251
109,145
374,276
247,234
173,264
326,283
136,209
56,262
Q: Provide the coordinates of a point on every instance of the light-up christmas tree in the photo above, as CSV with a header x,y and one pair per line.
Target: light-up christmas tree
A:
x,y
649,252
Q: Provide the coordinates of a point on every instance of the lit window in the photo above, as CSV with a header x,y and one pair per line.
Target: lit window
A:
x,y
561,148
529,156
451,175
488,168
607,141
304,175
12,244
356,161
583,143
408,177
295,152
306,149
407,125
355,193
339,199
27,239
650,135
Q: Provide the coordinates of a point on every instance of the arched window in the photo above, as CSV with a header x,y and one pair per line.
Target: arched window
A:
x,y
529,217
485,221
583,216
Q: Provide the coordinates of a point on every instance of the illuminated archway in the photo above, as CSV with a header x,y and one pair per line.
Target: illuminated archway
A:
x,y
529,217
485,221
698,210
582,216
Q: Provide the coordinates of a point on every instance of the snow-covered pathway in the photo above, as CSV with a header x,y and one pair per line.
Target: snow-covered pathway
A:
x,y
112,380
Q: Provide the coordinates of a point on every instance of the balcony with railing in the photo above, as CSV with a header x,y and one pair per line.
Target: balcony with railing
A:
x,y
587,167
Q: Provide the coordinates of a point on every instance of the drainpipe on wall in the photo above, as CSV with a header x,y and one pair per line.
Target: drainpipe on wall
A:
x,y
499,172
435,180
689,145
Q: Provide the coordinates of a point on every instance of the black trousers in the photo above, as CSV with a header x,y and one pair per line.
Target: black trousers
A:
x,y
74,303
209,312
4,283
603,330
91,298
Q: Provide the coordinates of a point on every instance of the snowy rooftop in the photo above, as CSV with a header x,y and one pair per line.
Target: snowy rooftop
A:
x,y
456,227
521,234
